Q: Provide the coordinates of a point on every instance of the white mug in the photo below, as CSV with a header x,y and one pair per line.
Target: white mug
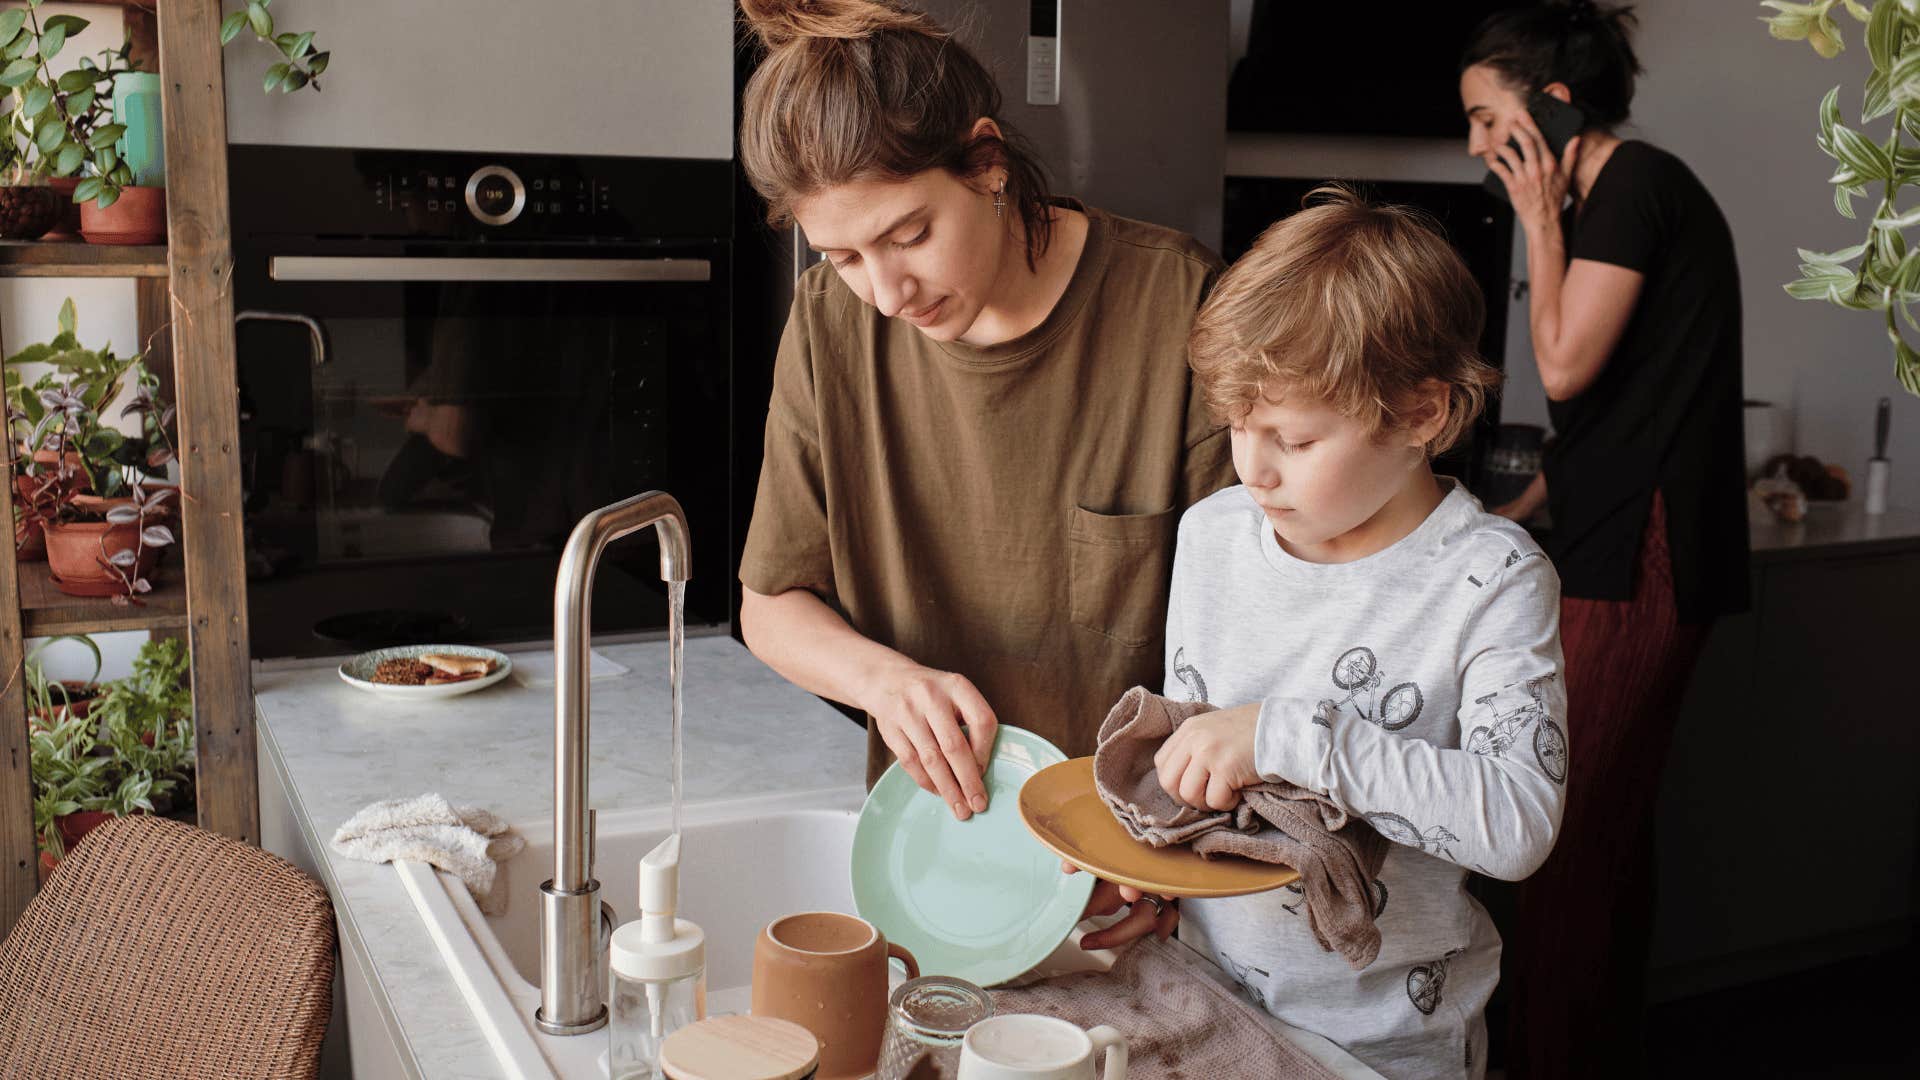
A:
x,y
1023,1046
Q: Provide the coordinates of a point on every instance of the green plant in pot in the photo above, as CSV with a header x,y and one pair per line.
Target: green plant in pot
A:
x,y
69,119
106,542
62,462
91,486
28,206
51,700
132,754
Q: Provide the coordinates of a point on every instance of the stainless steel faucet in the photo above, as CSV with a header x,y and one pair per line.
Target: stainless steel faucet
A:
x,y
570,983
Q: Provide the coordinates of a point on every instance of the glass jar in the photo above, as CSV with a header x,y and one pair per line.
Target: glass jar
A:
x,y
643,1013
926,1020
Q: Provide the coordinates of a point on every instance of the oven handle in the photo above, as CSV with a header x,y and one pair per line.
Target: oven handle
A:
x,y
316,334
360,268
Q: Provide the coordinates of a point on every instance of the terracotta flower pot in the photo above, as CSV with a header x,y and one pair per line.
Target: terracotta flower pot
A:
x,y
79,699
76,550
138,216
72,827
67,225
28,211
77,825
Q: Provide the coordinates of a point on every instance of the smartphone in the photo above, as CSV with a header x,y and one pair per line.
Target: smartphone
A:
x,y
1557,120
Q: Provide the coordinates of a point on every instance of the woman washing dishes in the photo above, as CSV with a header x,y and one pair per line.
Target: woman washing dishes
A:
x,y
1634,307
982,432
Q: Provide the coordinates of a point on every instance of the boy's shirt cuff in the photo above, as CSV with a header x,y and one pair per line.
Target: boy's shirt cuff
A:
x,y
1291,742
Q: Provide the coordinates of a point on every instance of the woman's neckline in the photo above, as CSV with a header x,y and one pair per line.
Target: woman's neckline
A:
x,y
1087,270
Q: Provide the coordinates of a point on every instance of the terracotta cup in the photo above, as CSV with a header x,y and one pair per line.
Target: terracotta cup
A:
x,y
827,972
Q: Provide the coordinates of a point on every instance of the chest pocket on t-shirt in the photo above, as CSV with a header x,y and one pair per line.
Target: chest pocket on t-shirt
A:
x,y
1119,565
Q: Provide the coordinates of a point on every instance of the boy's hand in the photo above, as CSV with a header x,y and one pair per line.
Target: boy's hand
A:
x,y
1209,758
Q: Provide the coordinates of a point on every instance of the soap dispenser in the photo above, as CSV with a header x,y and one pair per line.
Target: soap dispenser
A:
x,y
659,970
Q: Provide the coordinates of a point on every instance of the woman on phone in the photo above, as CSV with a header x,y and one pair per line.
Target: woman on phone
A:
x,y
1634,307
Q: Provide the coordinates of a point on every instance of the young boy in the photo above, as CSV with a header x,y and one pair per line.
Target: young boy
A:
x,y
1367,630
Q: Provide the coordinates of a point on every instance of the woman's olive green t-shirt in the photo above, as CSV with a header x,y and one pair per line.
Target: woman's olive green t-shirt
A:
x,y
1005,512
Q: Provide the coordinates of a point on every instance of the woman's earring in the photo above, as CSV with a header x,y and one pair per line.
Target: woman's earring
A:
x,y
999,203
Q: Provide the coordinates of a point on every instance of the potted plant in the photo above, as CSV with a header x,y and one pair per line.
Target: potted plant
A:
x,y
68,779
146,720
68,119
28,207
42,475
51,700
104,543
132,754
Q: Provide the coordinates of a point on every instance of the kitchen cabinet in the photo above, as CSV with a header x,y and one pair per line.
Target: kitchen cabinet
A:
x,y
1790,807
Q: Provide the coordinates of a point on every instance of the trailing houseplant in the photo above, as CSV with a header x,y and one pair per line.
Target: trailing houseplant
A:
x,y
89,486
106,542
133,753
1882,272
69,120
300,64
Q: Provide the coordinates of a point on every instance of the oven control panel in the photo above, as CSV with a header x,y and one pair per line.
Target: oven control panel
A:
x,y
492,195
324,192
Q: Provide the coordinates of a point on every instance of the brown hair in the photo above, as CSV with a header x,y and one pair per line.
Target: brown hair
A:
x,y
1349,303
872,89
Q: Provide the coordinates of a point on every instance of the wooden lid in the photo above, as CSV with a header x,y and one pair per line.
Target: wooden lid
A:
x,y
740,1048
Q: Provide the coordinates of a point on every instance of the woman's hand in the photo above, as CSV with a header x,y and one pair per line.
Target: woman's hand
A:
x,y
1148,915
1536,183
1209,758
920,713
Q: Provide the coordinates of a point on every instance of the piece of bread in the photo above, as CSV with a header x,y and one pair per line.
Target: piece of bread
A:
x,y
449,664
437,679
402,672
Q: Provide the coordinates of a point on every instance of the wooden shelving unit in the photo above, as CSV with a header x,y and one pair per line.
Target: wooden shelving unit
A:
x,y
36,258
185,316
46,611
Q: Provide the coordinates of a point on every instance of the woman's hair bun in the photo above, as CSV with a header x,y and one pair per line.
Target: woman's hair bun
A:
x,y
780,22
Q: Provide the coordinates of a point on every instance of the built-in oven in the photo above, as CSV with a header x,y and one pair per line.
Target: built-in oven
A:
x,y
446,359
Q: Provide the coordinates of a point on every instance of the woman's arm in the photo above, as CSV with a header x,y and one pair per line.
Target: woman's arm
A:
x,y
919,710
1527,503
1576,312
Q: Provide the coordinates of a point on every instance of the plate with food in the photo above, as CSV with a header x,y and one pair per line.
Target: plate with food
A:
x,y
426,672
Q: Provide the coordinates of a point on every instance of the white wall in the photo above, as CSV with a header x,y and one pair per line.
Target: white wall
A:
x,y
622,77
1739,108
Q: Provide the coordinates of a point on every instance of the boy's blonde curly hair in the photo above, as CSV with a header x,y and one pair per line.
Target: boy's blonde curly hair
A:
x,y
1350,303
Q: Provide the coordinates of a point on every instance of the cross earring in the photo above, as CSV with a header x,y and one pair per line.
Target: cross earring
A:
x,y
999,203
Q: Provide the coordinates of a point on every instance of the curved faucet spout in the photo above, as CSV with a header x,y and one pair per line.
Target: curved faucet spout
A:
x,y
570,992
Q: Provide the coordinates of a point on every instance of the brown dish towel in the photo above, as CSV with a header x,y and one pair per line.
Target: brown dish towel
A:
x,y
1337,856
1179,1024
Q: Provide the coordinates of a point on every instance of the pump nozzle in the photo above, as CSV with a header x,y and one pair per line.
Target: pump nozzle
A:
x,y
660,890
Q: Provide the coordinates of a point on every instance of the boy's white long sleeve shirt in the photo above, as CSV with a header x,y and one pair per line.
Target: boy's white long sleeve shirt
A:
x,y
1420,689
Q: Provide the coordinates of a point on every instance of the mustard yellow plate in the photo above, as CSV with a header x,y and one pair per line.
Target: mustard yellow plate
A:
x,y
1063,811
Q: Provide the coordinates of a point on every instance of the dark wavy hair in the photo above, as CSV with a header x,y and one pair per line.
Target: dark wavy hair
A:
x,y
1584,45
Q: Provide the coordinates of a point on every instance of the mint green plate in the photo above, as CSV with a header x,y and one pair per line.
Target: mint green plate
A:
x,y
980,899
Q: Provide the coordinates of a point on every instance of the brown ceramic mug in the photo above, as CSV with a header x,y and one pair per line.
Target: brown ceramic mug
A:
x,y
827,972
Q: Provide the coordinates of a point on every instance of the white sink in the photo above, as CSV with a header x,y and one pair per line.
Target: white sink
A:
x,y
743,863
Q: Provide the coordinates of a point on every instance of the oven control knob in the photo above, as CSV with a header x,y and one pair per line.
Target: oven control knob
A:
x,y
495,195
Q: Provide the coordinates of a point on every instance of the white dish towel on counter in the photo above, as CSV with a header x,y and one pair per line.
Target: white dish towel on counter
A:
x,y
465,841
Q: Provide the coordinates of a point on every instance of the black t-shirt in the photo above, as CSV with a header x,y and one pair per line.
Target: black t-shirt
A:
x,y
1664,414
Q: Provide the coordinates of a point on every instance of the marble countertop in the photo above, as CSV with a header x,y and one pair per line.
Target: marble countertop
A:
x,y
747,731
